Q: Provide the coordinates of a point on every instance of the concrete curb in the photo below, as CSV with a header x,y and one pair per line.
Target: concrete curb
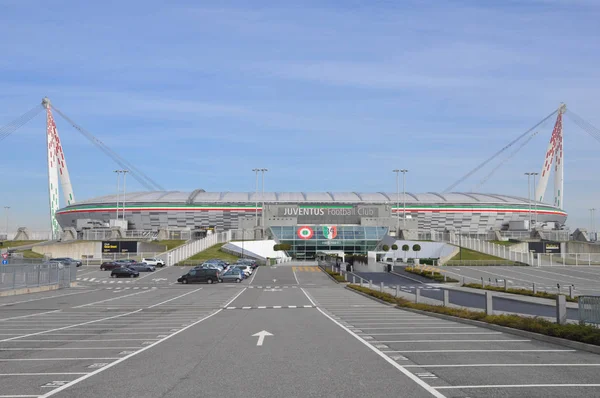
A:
x,y
28,290
524,333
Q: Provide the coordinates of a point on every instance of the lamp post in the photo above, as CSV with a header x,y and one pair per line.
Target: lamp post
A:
x,y
256,197
6,208
535,199
529,198
262,210
124,190
118,172
404,171
592,216
397,171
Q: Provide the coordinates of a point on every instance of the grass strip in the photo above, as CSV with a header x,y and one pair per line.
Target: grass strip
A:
x,y
522,292
335,275
211,252
427,274
576,332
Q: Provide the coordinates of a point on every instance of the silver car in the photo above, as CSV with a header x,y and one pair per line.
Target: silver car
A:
x,y
232,275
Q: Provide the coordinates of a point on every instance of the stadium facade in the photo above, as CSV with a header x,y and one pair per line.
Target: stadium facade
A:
x,y
349,221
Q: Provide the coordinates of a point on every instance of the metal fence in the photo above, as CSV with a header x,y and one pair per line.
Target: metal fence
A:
x,y
106,234
589,309
183,252
478,262
19,276
578,259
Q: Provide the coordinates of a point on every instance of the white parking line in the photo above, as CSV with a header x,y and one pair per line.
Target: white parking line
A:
x,y
79,341
254,275
66,348
492,365
455,341
407,373
174,298
53,359
69,327
421,351
27,316
517,386
295,277
43,374
47,298
420,333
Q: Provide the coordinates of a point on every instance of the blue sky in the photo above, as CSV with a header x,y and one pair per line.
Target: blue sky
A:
x,y
329,95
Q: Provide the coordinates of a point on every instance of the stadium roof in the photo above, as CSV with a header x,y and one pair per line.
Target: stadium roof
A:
x,y
201,196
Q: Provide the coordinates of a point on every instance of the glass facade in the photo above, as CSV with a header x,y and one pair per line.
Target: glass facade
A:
x,y
308,240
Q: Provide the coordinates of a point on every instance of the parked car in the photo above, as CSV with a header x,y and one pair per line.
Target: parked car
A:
x,y
220,267
232,275
247,261
126,261
246,269
110,265
124,273
141,267
67,260
156,262
198,275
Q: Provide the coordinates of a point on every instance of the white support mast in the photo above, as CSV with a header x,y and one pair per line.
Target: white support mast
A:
x,y
57,168
554,154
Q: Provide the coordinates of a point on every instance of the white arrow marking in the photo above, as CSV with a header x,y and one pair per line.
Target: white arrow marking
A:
x,y
261,337
274,280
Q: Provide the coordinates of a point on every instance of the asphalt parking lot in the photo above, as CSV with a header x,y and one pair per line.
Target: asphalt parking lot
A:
x,y
287,331
585,279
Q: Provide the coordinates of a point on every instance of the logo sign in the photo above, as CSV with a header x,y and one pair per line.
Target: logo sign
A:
x,y
4,262
329,231
305,232
5,255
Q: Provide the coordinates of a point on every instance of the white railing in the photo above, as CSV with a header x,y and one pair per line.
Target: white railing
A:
x,y
191,248
577,259
490,248
105,234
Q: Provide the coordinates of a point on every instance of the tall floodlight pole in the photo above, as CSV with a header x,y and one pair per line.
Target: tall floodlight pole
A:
x,y
592,211
404,171
262,211
529,198
118,172
397,171
256,197
124,190
6,208
534,199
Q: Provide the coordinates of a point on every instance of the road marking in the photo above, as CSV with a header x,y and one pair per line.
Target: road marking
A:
x,y
234,297
482,351
308,306
63,348
254,275
97,365
518,386
452,341
49,297
18,396
295,277
420,333
262,307
246,308
230,308
27,316
277,306
292,306
54,359
72,383
111,299
71,326
77,341
42,374
261,337
174,298
426,375
492,365
407,373
53,384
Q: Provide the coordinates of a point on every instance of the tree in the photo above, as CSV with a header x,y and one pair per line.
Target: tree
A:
x,y
385,248
417,248
405,249
394,247
276,247
285,247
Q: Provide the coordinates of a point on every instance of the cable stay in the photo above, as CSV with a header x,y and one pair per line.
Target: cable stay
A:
x,y
513,153
584,125
13,126
142,178
495,155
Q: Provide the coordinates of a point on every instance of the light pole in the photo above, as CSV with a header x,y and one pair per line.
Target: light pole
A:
x,y
404,171
262,210
6,208
397,171
124,190
256,197
529,198
118,172
534,198
592,214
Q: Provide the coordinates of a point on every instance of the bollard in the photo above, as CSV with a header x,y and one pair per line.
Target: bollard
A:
x,y
482,282
463,280
445,278
534,288
361,279
561,309
353,279
558,287
346,276
417,295
505,285
381,287
397,290
446,298
370,284
489,307
571,288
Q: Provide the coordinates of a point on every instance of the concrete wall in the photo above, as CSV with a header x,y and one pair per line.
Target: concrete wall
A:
x,y
70,249
428,250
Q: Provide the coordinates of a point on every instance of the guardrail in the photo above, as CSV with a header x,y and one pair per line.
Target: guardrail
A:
x,y
589,310
19,276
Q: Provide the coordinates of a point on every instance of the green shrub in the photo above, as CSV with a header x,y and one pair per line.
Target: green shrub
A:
x,y
582,333
394,247
385,248
335,275
438,277
523,292
405,248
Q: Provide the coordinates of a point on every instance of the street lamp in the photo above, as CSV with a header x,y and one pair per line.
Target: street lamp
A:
x,y
256,197
262,211
124,190
118,172
534,198
404,171
592,216
529,198
6,208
